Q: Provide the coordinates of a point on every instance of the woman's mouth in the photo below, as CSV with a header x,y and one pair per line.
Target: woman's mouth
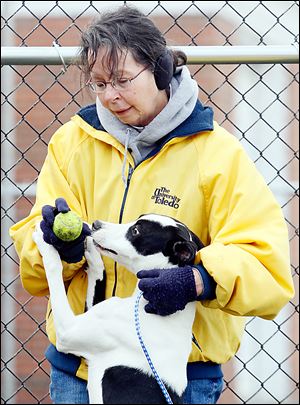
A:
x,y
122,112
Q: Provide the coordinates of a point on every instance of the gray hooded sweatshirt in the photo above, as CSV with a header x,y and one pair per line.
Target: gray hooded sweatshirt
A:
x,y
141,141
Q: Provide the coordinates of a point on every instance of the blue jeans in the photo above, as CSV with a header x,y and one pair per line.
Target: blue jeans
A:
x,y
68,389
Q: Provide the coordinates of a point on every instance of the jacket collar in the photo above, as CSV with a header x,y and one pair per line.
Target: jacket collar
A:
x,y
200,120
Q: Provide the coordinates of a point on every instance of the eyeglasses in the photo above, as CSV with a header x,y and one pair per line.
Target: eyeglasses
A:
x,y
119,83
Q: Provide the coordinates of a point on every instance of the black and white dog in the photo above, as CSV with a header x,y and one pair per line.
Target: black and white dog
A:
x,y
106,335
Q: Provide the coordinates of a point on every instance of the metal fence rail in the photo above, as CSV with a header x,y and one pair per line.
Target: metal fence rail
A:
x,y
244,56
195,55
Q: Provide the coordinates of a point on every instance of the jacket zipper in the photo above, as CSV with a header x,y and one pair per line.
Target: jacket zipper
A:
x,y
130,171
195,341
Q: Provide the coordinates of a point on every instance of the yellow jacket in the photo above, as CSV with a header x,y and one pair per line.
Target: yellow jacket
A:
x,y
201,177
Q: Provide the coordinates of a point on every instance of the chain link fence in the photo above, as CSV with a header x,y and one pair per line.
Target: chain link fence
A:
x,y
257,102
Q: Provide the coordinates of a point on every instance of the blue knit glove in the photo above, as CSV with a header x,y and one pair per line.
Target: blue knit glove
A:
x,y
70,252
167,290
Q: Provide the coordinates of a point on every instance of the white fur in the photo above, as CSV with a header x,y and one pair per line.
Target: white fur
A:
x,y
105,335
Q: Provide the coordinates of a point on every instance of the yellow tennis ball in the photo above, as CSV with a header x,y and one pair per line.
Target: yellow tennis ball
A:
x,y
67,226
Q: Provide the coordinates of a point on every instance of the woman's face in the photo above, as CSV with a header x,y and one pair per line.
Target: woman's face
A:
x,y
140,102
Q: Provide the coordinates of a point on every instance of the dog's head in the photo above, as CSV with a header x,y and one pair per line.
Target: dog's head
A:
x,y
152,241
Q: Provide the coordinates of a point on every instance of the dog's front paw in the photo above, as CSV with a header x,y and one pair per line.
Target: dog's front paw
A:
x,y
93,258
38,238
50,255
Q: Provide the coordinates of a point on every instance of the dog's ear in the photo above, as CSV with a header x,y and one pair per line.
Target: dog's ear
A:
x,y
197,241
184,252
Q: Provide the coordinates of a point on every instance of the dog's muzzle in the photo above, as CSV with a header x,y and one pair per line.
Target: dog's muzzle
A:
x,y
102,248
96,225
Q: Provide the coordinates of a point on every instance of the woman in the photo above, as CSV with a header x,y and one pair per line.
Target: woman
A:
x,y
149,145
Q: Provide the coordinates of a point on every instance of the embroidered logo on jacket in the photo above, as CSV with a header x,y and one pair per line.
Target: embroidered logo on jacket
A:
x,y
162,196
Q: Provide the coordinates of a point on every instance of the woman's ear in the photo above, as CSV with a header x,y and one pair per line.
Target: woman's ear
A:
x,y
184,252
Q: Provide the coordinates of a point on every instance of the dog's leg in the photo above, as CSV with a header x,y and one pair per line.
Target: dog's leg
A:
x,y
95,383
96,274
64,318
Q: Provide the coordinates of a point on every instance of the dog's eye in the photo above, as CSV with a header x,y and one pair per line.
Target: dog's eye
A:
x,y
135,231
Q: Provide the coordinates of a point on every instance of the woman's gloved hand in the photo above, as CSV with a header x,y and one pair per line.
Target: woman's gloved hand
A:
x,y
167,290
70,252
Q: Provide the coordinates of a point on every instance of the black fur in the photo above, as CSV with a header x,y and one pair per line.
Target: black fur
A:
x,y
149,237
99,292
126,385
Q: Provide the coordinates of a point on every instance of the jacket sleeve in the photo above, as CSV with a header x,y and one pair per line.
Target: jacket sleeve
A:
x,y
248,254
51,184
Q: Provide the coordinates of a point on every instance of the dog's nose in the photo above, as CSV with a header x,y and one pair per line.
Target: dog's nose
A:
x,y
96,225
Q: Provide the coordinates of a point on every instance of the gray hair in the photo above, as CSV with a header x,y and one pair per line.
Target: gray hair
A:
x,y
120,31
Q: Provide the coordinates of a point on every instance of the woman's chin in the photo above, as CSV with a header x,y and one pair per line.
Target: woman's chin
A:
x,y
133,117
134,121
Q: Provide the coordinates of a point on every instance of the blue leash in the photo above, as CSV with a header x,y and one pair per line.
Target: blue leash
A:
x,y
138,332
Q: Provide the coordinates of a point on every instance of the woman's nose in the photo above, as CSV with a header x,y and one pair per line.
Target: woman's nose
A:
x,y
110,94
